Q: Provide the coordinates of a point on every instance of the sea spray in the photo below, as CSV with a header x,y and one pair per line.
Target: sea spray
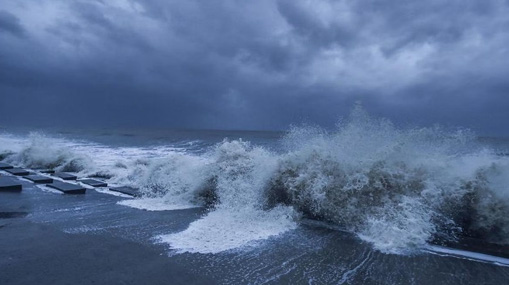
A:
x,y
240,173
40,151
397,189
177,180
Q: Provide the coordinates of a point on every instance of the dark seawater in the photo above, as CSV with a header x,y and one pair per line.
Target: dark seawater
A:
x,y
366,203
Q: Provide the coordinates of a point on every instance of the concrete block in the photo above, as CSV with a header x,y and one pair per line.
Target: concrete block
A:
x,y
67,188
126,190
4,166
9,184
18,171
39,179
94,183
65,176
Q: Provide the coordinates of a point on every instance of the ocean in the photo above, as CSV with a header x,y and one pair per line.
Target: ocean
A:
x,y
367,202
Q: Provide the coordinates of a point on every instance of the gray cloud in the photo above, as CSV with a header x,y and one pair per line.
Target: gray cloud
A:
x,y
10,23
255,65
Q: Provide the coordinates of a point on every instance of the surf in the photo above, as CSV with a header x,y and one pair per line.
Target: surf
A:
x,y
399,189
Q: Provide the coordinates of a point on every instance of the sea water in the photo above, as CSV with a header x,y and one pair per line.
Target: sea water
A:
x,y
338,205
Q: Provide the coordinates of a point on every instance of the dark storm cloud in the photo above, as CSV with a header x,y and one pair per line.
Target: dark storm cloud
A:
x,y
10,23
256,65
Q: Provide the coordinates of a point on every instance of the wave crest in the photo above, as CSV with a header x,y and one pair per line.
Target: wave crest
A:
x,y
397,189
41,152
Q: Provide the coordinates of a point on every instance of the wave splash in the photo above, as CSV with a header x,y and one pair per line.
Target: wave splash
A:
x,y
41,152
396,189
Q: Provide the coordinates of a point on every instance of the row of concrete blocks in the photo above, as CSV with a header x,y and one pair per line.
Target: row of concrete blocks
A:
x,y
12,185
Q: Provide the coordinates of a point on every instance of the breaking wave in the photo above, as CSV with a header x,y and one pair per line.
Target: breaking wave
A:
x,y
397,189
40,152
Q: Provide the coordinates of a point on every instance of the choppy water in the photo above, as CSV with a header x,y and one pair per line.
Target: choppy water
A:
x,y
398,191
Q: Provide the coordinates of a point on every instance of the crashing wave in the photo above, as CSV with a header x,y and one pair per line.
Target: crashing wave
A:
x,y
41,152
396,189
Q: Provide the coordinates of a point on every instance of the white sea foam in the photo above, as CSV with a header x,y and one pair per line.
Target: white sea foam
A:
x,y
223,230
39,151
156,204
241,174
113,193
48,189
396,189
469,255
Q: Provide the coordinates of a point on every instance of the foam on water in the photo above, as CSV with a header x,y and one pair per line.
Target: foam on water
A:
x,y
39,151
241,173
223,230
397,189
156,204
109,192
475,256
51,190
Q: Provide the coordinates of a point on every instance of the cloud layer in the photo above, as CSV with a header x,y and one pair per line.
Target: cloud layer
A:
x,y
253,64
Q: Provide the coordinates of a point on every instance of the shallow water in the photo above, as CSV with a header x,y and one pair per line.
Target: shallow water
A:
x,y
312,253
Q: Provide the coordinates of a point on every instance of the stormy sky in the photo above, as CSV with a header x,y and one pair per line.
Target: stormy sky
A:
x,y
253,64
